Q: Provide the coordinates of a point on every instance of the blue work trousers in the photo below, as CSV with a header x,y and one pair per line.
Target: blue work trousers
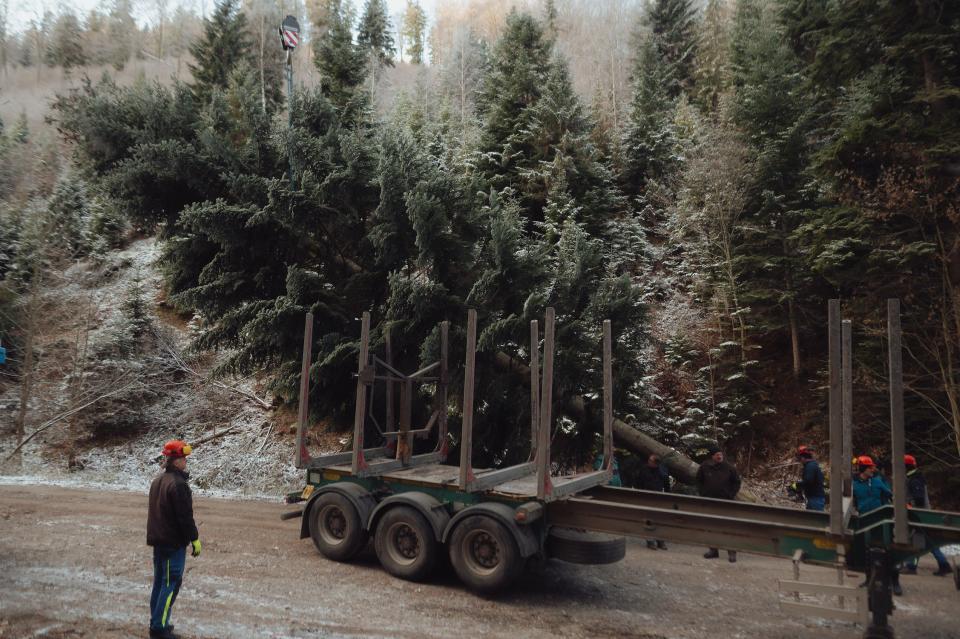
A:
x,y
168,564
816,503
939,556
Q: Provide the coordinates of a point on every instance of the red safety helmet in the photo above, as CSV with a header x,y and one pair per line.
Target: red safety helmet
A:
x,y
909,460
865,460
804,451
176,448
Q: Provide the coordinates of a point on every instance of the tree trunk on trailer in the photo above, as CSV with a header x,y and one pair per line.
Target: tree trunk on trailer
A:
x,y
679,465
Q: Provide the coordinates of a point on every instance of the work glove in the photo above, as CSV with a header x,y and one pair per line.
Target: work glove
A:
x,y
195,552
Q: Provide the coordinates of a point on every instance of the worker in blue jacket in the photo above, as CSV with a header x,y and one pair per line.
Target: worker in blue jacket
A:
x,y
869,490
811,479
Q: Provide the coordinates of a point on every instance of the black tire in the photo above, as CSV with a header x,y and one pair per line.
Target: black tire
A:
x,y
579,547
484,554
335,527
405,544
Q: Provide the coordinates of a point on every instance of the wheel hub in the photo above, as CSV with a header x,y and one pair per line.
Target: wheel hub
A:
x,y
336,523
406,542
485,550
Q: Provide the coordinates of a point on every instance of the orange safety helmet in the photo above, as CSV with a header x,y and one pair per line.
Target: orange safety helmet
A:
x,y
176,448
865,460
909,460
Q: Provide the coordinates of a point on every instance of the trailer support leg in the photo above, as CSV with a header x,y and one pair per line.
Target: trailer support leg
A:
x,y
879,594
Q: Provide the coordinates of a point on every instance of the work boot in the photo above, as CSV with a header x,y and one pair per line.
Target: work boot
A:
x,y
662,545
944,569
713,553
652,545
897,590
732,556
166,633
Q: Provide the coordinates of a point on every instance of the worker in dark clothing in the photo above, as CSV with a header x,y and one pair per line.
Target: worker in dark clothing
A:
x,y
170,529
917,497
811,480
654,476
718,478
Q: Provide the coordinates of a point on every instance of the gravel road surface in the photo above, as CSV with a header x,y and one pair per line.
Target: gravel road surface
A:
x,y
75,564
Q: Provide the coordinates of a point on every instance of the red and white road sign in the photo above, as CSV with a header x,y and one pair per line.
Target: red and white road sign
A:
x,y
289,33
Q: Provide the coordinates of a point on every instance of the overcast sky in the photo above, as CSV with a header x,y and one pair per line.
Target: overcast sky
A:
x,y
22,12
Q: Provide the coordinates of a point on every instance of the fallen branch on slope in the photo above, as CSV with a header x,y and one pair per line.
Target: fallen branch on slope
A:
x,y
69,413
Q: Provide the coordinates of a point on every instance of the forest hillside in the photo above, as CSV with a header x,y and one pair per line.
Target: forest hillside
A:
x,y
706,175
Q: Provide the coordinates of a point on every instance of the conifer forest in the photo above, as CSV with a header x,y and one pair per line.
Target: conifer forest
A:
x,y
706,174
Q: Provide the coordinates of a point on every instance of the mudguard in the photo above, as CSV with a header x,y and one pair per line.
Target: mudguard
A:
x,y
430,507
361,499
525,536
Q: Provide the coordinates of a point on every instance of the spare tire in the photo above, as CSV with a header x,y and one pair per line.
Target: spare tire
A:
x,y
582,547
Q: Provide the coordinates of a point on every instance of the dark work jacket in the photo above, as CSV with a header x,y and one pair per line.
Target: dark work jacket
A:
x,y
917,489
170,518
811,479
718,480
654,478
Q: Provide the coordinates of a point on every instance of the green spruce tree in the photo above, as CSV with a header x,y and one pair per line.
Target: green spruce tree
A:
x,y
65,45
225,43
674,27
649,145
342,65
414,31
375,36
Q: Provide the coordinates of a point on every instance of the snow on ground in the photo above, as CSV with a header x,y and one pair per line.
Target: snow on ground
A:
x,y
254,458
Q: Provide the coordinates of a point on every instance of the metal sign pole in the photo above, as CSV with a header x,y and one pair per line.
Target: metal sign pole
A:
x,y
293,179
289,39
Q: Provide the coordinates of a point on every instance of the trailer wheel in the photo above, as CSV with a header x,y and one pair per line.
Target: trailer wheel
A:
x,y
405,544
484,554
335,527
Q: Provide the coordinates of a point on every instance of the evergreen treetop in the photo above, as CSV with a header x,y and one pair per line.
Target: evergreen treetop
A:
x,y
375,33
226,42
674,27
342,65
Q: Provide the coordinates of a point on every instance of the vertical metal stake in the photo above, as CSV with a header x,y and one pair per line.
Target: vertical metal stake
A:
x,y
534,387
358,463
900,532
389,399
544,484
847,378
442,388
607,396
836,419
303,411
466,434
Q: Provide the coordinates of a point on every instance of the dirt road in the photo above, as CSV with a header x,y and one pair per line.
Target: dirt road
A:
x,y
74,564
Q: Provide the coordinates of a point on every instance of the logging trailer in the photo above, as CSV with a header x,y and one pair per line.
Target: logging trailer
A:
x,y
491,521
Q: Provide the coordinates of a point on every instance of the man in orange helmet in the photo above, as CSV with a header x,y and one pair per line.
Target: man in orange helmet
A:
x,y
870,492
918,498
170,529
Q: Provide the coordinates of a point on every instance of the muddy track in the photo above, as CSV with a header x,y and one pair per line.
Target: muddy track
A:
x,y
75,565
